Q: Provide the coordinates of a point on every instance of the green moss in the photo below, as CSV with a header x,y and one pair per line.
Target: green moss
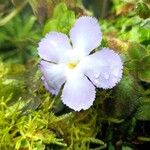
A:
x,y
32,119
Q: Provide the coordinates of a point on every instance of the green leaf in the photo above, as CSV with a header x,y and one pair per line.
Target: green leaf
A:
x,y
136,51
111,146
146,61
60,8
144,35
62,20
146,23
133,32
146,1
143,139
143,112
126,96
144,75
126,148
143,10
141,30
50,26
144,72
29,26
12,14
114,120
96,141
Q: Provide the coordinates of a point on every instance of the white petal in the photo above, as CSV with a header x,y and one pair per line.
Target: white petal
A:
x,y
49,88
78,92
53,46
54,76
104,68
86,35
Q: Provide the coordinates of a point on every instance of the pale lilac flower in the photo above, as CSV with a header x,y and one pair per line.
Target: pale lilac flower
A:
x,y
71,64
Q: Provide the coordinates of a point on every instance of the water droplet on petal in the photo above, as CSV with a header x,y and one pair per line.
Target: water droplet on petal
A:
x,y
96,74
96,81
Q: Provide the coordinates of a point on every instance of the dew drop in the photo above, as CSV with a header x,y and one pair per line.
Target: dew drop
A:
x,y
96,81
96,74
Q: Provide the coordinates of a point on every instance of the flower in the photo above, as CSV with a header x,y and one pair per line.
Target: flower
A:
x,y
71,64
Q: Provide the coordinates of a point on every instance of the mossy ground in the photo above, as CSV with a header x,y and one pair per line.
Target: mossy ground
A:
x,y
32,119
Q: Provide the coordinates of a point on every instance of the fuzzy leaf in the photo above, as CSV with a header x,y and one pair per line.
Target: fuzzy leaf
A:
x,y
127,95
61,21
143,112
143,10
136,51
144,72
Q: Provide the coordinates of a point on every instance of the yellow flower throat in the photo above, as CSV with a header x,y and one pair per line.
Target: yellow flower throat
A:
x,y
72,65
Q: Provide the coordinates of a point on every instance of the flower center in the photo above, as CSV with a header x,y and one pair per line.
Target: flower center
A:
x,y
72,65
73,59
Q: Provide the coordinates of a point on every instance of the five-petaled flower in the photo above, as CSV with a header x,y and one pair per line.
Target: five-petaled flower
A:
x,y
70,63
